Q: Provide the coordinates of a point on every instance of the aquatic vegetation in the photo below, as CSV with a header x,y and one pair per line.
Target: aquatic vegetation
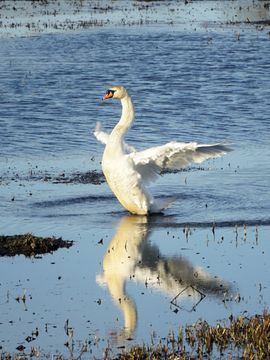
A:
x,y
242,337
238,338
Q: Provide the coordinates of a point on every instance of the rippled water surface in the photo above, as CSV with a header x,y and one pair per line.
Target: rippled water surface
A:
x,y
146,275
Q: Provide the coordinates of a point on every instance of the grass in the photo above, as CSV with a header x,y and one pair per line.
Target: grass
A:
x,y
239,338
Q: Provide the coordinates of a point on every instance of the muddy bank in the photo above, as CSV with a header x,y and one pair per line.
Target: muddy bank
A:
x,y
89,177
30,245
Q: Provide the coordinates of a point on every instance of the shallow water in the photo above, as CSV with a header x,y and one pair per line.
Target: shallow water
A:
x,y
146,276
24,18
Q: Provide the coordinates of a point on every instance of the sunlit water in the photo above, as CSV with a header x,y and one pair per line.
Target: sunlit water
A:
x,y
146,276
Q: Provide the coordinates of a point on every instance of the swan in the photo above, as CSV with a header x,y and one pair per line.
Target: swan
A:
x,y
128,172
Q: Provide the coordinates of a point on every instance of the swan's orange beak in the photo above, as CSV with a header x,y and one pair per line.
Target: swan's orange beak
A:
x,y
108,95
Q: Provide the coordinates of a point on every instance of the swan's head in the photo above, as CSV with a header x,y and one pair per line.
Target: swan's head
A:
x,y
115,92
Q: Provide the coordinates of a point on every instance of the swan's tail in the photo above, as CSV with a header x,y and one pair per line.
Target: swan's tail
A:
x,y
160,204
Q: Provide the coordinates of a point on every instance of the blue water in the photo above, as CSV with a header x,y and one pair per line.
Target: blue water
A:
x,y
204,86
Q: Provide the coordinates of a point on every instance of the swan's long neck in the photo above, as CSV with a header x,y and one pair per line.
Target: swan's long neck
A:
x,y
125,121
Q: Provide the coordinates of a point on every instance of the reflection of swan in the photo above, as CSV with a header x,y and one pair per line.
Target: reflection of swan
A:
x,y
119,263
131,256
128,171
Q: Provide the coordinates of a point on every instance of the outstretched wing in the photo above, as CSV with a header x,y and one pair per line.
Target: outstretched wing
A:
x,y
174,155
103,137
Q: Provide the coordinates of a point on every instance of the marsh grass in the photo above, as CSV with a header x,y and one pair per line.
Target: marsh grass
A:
x,y
238,338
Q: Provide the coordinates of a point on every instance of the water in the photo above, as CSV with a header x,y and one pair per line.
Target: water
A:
x,y
146,276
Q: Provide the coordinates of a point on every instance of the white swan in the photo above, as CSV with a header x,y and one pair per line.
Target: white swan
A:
x,y
128,171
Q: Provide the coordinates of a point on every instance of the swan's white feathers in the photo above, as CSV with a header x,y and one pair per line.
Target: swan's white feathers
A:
x,y
103,137
128,172
173,156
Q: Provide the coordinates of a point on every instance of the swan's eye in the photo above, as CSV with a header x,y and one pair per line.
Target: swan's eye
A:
x,y
109,94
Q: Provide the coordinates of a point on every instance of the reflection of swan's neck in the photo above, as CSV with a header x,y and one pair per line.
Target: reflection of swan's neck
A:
x,y
126,118
116,287
119,262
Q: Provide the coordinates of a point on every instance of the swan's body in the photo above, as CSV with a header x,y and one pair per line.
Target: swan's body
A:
x,y
128,172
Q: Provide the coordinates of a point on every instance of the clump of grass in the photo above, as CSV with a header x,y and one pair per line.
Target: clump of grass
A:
x,y
246,338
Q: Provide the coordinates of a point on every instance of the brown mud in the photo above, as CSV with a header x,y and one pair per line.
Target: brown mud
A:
x,y
30,245
88,177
